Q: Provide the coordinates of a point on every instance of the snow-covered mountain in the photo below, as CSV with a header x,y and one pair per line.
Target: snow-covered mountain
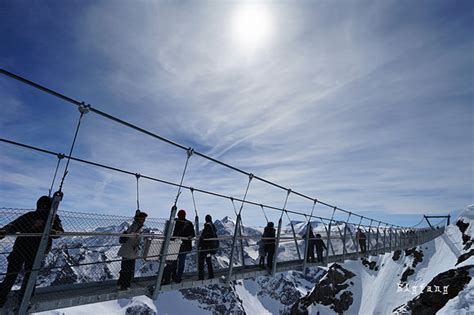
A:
x,y
432,278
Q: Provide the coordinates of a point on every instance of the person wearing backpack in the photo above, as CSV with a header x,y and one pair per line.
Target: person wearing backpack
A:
x,y
270,243
129,250
208,245
185,230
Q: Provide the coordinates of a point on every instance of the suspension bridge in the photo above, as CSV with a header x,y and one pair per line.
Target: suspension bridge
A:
x,y
82,265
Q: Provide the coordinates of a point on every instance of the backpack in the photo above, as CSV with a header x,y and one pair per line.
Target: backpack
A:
x,y
123,239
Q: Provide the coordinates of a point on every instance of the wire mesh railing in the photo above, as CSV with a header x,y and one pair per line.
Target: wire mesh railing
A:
x,y
87,251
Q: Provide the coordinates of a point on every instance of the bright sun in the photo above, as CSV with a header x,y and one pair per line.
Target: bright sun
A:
x,y
251,26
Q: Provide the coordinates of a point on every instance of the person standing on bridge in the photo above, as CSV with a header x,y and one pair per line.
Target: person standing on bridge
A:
x,y
269,240
129,251
25,247
311,244
185,230
362,239
208,245
320,247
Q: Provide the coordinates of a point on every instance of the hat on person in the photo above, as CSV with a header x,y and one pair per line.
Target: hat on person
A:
x,y
181,214
140,214
43,201
270,224
208,218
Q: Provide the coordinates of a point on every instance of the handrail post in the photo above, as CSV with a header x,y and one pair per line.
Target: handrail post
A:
x,y
377,246
241,243
344,239
384,239
328,232
164,251
306,247
277,243
368,239
296,241
231,258
40,254
390,238
196,223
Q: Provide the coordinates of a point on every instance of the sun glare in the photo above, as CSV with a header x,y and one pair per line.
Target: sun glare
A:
x,y
251,26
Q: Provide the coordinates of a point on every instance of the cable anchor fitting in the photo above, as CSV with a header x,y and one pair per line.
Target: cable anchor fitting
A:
x,y
83,108
189,152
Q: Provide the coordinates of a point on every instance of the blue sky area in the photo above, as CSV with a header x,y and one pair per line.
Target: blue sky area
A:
x,y
366,105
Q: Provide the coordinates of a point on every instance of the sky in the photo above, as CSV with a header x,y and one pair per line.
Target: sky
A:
x,y
365,105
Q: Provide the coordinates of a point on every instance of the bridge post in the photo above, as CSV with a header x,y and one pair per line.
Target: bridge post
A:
x,y
241,243
196,227
231,258
329,243
356,243
377,246
344,239
369,238
277,243
328,232
306,246
390,238
296,241
40,254
384,239
397,239
164,251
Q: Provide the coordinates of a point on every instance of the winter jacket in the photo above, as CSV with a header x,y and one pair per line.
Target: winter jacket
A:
x,y
209,231
131,248
261,248
269,233
320,246
360,235
31,222
184,228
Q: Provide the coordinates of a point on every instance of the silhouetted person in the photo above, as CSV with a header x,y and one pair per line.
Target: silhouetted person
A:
x,y
208,245
129,250
311,243
362,240
184,229
320,247
261,253
269,240
25,247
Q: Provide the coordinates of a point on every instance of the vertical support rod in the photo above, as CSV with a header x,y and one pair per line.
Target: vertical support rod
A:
x,y
196,227
296,241
277,243
40,254
241,243
344,239
356,243
231,258
306,247
390,238
164,251
377,246
384,249
369,239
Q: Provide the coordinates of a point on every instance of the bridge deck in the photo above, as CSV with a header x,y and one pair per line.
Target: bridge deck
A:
x,y
79,294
